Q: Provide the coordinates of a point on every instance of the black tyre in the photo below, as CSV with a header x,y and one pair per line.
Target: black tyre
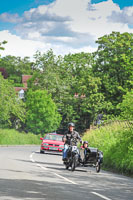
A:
x,y
73,164
98,167
42,152
67,166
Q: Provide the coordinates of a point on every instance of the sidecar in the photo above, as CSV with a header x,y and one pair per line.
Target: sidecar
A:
x,y
91,157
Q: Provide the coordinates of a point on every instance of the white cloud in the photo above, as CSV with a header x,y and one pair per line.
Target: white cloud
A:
x,y
66,26
12,18
124,16
19,47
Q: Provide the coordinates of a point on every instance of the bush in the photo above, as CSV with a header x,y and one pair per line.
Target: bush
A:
x,y
116,142
13,137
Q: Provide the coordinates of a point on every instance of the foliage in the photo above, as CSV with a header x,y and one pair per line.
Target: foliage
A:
x,y
82,85
113,64
12,109
3,72
116,142
16,67
1,45
126,106
41,115
65,77
13,137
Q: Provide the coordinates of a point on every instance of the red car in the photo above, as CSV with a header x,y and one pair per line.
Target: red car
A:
x,y
52,142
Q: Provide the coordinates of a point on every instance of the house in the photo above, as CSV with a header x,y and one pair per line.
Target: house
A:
x,y
21,90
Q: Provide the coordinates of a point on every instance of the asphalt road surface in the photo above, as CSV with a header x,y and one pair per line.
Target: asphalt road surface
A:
x,y
27,174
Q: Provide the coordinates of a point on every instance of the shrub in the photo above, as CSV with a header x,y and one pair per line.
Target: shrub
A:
x,y
13,137
116,142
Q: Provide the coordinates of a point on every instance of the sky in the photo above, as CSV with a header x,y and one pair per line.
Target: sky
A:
x,y
65,26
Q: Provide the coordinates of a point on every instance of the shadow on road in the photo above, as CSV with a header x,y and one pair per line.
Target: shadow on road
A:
x,y
33,189
50,153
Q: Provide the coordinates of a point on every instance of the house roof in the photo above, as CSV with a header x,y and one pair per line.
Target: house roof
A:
x,y
17,89
25,78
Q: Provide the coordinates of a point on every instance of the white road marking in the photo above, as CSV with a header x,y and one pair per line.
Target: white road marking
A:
x,y
45,168
103,197
62,177
66,179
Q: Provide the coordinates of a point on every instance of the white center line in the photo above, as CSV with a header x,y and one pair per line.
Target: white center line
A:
x,y
66,179
103,197
45,168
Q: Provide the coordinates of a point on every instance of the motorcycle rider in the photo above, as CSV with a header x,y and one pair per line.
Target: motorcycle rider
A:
x,y
70,138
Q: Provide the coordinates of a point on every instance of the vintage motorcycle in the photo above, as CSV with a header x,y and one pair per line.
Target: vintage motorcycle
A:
x,y
72,157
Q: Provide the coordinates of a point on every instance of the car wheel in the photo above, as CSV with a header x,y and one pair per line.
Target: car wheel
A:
x,y
41,151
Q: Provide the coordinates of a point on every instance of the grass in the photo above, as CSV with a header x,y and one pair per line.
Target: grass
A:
x,y
116,142
13,137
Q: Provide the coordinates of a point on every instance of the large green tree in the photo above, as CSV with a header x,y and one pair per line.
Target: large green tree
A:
x,y
16,67
113,62
12,109
71,83
42,115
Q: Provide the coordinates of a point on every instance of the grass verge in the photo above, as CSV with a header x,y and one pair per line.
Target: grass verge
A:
x,y
13,137
116,142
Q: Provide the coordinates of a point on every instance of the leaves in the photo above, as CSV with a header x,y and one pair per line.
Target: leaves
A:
x,y
11,108
42,115
126,106
113,64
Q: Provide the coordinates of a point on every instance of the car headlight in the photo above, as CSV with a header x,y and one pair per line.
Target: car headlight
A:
x,y
45,143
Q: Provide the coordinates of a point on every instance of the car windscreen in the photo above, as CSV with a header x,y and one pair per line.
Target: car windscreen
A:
x,y
53,137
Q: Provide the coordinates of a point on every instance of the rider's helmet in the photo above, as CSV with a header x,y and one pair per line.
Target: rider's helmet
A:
x,y
71,124
85,142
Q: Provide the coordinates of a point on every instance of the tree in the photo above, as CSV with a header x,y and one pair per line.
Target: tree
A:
x,y
65,77
84,96
113,65
1,45
12,109
42,115
126,106
16,67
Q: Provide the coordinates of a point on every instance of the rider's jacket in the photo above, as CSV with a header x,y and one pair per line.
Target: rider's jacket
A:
x,y
72,138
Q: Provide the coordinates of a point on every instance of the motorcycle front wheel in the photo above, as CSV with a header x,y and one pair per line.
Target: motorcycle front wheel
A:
x,y
67,165
73,164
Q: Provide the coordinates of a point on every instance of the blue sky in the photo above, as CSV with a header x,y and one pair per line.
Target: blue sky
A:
x,y
66,26
121,3
21,5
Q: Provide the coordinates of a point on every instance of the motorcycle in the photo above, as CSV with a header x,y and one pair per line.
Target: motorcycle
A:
x,y
72,159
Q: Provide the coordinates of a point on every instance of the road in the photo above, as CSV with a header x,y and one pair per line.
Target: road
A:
x,y
27,174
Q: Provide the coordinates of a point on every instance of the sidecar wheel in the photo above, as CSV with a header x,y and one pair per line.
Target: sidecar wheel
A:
x,y
98,167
